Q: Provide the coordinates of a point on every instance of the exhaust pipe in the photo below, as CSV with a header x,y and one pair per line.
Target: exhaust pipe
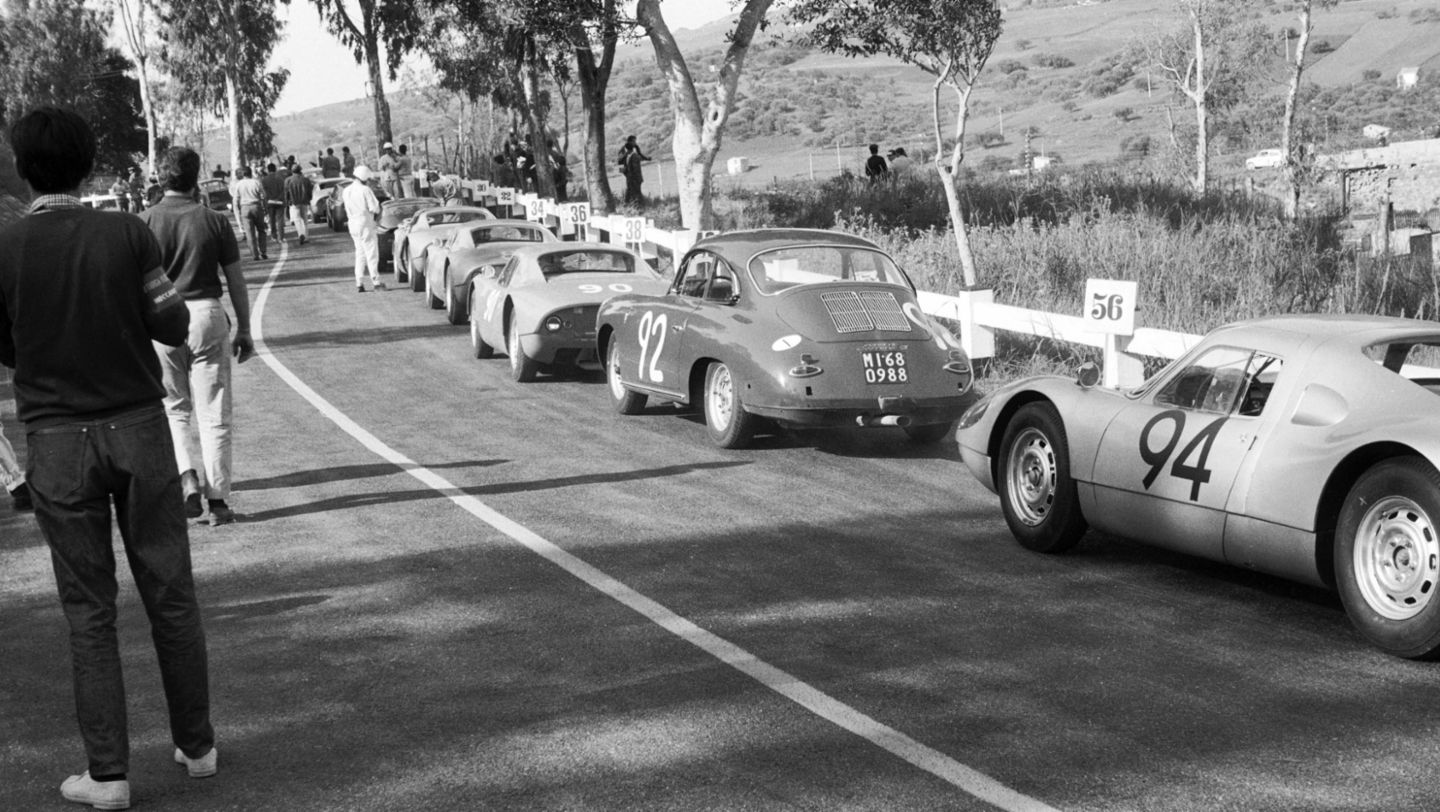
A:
x,y
883,420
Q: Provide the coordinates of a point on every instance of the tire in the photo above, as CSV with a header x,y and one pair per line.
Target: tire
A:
x,y
401,264
477,344
431,299
522,367
417,281
1037,494
928,434
1387,557
455,310
626,401
726,420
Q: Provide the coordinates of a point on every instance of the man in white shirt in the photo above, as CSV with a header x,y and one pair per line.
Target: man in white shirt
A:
x,y
361,211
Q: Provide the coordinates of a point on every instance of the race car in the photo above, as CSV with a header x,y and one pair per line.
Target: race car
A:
x,y
334,205
801,327
1301,446
426,226
540,306
392,214
444,269
320,197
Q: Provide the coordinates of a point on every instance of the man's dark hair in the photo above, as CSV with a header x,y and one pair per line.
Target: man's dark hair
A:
x,y
269,167
245,172
330,151
54,149
180,169
344,149
874,149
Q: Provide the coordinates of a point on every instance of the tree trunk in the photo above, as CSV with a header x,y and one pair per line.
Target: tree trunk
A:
x,y
1200,97
535,122
1287,133
594,81
950,174
383,133
237,127
147,107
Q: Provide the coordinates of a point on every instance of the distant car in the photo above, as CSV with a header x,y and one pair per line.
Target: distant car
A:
x,y
392,214
320,196
1265,159
801,327
105,202
335,209
426,226
445,268
1306,447
215,193
540,306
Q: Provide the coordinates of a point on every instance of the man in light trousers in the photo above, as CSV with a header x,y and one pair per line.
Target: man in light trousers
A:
x,y
362,210
197,246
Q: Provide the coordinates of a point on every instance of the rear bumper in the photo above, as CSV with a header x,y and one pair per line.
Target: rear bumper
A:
x,y
865,412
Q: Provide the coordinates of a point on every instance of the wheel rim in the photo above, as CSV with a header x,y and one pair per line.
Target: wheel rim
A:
x,y
1397,558
514,347
612,371
1031,475
720,399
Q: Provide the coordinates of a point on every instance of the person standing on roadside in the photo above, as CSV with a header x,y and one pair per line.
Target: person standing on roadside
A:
x,y
274,185
389,171
875,166
82,284
630,158
405,168
197,246
361,212
121,190
297,199
347,163
250,203
137,190
330,165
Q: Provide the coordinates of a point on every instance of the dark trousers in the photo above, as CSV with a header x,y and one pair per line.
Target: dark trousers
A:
x,y
277,221
75,472
254,216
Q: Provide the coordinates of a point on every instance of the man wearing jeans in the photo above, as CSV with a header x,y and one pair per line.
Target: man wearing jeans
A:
x,y
82,294
196,245
250,204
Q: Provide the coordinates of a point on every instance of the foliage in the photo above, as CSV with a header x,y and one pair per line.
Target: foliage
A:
x,y
54,53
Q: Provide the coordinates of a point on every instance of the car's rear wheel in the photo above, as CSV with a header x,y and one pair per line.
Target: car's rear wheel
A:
x,y
455,310
726,420
1387,557
522,368
402,264
626,401
928,433
417,279
477,344
1037,494
431,299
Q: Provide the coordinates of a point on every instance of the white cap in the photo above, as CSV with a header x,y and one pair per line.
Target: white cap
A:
x,y
389,145
361,172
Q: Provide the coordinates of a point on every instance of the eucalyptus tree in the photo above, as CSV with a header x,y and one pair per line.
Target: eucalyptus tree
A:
x,y
949,39
367,28
698,128
135,25
1303,9
219,50
1190,62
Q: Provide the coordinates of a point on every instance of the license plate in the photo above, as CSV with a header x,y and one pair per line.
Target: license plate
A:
x,y
884,366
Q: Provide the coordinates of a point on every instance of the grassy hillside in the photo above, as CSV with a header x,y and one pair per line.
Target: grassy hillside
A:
x,y
1070,75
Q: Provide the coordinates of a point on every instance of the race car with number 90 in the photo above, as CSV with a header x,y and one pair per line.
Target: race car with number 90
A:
x,y
798,327
539,306
1306,447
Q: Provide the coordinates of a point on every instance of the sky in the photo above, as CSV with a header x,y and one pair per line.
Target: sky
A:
x,y
323,72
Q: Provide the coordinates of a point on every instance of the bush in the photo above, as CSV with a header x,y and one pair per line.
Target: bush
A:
x,y
1370,74
1125,114
1052,61
1322,47
1009,66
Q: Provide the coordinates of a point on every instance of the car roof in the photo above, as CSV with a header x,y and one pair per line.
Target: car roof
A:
x,y
737,247
1340,330
537,249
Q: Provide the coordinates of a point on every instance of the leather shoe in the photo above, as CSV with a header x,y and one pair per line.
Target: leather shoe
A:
x,y
82,789
20,498
190,485
202,767
220,513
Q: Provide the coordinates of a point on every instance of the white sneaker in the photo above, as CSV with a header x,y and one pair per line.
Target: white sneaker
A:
x,y
82,789
379,285
202,767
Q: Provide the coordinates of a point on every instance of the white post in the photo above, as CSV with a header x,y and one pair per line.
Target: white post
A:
x,y
976,339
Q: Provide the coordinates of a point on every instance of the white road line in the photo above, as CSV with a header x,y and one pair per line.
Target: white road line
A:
x,y
812,699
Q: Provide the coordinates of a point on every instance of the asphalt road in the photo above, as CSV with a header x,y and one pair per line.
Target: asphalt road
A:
x,y
451,591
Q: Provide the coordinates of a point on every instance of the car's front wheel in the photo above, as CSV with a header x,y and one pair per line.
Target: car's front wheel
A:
x,y
626,401
1037,494
417,276
1387,557
726,420
522,367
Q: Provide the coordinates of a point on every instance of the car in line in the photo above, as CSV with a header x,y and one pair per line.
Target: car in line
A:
x,y
215,193
540,306
445,268
392,214
1306,447
320,197
798,327
335,208
425,226
1266,159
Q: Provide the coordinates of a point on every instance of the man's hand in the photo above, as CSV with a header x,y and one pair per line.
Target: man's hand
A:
x,y
244,346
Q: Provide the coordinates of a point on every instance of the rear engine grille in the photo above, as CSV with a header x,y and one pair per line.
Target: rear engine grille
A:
x,y
861,312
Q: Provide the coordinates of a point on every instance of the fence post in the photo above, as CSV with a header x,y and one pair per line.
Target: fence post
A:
x,y
976,339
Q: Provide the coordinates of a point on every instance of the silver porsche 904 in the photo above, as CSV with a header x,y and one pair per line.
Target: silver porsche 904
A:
x,y
1302,446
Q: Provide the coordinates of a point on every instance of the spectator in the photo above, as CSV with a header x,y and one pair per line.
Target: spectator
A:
x,y
875,166
445,188
389,171
274,185
630,158
361,211
121,190
197,246
297,197
900,163
219,173
76,283
137,190
560,166
330,165
405,168
250,204
347,163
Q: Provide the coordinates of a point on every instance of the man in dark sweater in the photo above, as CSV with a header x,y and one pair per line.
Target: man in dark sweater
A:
x,y
197,245
82,294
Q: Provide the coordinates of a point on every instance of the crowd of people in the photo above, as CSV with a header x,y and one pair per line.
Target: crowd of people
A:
x,y
895,162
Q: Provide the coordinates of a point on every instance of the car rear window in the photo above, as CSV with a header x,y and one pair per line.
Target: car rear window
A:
x,y
1415,360
774,271
506,234
445,218
586,262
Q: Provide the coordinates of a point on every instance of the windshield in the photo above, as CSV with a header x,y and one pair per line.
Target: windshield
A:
x,y
406,208
448,217
774,271
506,234
586,262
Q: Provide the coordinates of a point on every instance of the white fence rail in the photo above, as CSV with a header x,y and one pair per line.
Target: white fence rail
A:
x,y
976,311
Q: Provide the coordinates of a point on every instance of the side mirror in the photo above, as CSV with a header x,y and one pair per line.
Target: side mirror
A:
x,y
1087,376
